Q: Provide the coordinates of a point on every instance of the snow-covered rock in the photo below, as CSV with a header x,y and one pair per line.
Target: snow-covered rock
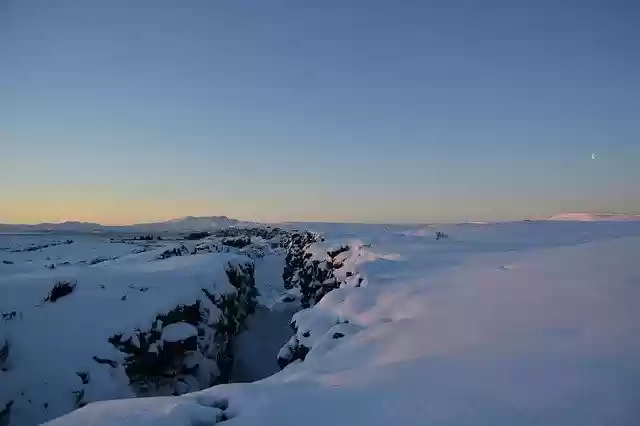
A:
x,y
178,331
144,324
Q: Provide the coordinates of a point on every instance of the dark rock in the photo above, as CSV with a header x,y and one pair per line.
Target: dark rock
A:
x,y
83,376
112,364
198,235
4,354
177,251
79,396
60,289
7,316
5,413
337,251
236,242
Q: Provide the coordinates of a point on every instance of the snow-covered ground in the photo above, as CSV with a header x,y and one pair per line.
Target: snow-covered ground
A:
x,y
121,303
596,217
527,323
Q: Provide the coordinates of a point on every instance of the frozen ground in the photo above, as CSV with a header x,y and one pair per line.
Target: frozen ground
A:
x,y
487,324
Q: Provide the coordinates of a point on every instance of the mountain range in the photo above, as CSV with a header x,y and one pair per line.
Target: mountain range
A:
x,y
188,223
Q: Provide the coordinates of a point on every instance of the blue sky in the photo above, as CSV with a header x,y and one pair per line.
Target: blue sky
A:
x,y
366,111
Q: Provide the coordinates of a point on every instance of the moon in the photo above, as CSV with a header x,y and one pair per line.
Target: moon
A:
x,y
593,155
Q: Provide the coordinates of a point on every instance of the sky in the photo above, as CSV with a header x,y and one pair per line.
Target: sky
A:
x,y
367,111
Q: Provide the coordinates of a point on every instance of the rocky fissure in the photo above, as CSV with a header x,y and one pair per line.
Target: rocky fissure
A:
x,y
315,275
217,335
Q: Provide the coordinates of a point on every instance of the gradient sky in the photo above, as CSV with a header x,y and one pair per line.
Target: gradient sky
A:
x,y
396,111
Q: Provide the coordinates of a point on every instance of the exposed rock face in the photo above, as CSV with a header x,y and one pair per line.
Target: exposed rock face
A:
x,y
315,275
168,359
181,250
266,233
237,242
59,290
295,262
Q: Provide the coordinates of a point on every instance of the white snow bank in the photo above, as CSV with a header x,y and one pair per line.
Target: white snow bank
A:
x,y
596,217
537,336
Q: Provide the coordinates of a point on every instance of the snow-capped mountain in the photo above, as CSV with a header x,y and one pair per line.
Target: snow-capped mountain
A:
x,y
69,226
188,223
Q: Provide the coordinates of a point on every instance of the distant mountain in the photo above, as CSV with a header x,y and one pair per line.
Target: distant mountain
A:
x,y
189,223
596,217
70,226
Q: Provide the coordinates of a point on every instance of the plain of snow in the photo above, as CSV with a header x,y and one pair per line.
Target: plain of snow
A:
x,y
497,324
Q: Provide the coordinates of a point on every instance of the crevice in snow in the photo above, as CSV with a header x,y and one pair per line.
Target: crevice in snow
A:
x,y
316,268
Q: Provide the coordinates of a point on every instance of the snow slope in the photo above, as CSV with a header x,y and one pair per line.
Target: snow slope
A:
x,y
502,324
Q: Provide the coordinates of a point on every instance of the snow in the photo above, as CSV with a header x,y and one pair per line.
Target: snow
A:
x,y
84,250
256,348
497,324
51,342
594,217
158,411
269,279
178,331
545,342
